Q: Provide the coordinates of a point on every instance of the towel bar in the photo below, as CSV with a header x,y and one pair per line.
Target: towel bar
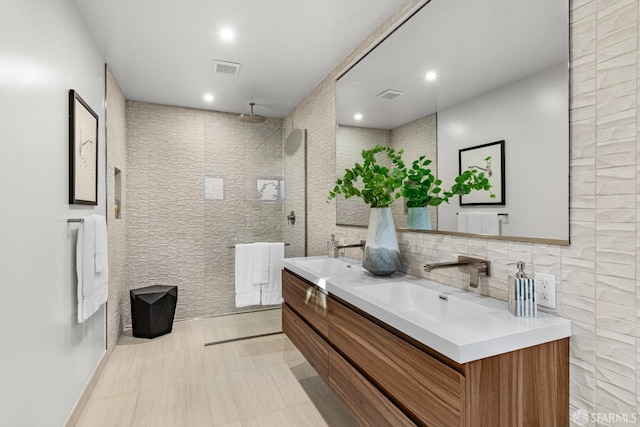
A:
x,y
75,220
499,214
233,246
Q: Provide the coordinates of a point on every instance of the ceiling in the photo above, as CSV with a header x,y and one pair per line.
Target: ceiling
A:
x,y
163,51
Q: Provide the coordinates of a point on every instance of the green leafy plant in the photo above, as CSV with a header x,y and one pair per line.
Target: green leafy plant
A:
x,y
380,183
422,188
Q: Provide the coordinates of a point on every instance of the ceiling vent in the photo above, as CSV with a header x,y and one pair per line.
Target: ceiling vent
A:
x,y
389,94
224,67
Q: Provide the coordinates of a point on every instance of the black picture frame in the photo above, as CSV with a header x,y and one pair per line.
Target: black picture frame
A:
x,y
474,156
83,152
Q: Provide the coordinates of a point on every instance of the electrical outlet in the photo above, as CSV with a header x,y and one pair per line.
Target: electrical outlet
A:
x,y
546,289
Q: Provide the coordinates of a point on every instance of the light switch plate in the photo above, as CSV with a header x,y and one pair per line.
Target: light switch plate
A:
x,y
546,289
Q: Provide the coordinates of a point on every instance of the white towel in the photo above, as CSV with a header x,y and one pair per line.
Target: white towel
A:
x,y
101,254
246,292
260,263
272,291
463,222
92,266
490,223
474,222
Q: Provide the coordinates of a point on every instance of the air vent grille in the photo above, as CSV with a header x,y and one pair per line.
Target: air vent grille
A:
x,y
224,67
389,94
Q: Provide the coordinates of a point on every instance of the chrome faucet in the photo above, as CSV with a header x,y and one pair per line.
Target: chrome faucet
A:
x,y
473,266
334,248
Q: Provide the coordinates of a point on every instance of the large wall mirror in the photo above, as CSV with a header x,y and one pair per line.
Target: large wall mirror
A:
x,y
460,74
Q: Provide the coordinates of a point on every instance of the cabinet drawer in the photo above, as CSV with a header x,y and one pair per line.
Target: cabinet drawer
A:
x,y
366,403
312,346
425,389
307,300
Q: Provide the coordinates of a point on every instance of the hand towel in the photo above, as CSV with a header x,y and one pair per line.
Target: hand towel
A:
x,y
92,289
272,291
260,263
490,223
463,222
474,222
246,292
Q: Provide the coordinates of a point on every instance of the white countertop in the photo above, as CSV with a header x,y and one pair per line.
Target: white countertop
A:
x,y
488,329
317,269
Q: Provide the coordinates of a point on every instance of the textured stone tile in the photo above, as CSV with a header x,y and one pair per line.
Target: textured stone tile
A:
x,y
614,400
582,351
583,34
579,309
615,201
581,10
621,91
617,124
623,243
616,345
615,269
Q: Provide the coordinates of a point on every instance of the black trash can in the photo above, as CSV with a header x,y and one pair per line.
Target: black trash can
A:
x,y
152,310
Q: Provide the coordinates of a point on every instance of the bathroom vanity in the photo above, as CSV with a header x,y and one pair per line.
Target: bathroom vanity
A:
x,y
465,361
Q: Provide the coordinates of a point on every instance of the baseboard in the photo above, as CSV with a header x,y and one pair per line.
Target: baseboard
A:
x,y
84,396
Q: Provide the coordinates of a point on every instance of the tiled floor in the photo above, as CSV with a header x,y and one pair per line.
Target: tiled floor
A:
x,y
175,380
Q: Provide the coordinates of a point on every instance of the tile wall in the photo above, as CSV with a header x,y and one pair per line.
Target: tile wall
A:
x,y
598,273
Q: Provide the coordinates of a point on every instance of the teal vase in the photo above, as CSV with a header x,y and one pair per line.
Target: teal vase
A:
x,y
418,218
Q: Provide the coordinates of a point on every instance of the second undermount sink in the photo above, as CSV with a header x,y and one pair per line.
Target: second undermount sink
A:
x,y
328,267
420,304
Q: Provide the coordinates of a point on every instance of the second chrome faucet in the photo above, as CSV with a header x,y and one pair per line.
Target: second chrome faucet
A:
x,y
334,248
473,266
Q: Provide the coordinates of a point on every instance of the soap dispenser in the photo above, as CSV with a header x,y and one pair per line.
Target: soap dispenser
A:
x,y
522,293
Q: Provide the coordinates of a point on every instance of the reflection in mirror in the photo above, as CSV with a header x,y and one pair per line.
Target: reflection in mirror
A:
x,y
459,74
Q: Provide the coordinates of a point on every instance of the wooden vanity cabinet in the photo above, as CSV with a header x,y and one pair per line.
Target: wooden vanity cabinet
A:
x,y
304,321
388,378
423,387
307,300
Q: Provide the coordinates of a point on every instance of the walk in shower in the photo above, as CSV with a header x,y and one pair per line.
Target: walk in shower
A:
x,y
199,183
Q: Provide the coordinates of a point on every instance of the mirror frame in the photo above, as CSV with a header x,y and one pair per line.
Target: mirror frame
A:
x,y
380,39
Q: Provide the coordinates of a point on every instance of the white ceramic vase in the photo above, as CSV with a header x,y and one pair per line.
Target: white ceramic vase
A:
x,y
418,218
381,252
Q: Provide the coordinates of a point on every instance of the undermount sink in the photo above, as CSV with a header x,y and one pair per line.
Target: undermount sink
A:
x,y
419,304
327,267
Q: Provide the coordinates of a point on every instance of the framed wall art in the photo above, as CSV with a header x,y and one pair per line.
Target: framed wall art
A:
x,y
83,152
476,157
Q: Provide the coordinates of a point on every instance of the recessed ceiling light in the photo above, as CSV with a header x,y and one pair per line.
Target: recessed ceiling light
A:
x,y
208,97
358,116
431,76
227,34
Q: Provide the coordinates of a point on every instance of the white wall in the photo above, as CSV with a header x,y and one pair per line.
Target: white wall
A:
x,y
46,357
531,115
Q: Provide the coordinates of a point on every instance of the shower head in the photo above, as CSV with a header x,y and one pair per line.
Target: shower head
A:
x,y
251,118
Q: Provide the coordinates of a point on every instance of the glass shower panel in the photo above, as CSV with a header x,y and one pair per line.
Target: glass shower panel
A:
x,y
295,201
264,179
254,176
